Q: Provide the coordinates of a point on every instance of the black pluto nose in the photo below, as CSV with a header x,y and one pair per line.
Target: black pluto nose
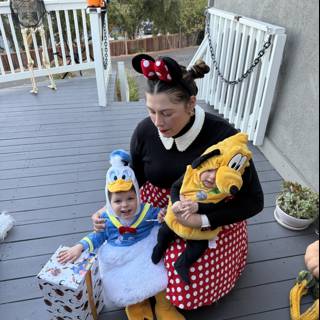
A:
x,y
233,190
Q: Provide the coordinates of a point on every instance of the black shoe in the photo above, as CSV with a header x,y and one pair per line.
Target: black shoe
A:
x,y
156,255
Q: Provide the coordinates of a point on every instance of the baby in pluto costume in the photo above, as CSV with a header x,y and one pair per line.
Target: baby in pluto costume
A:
x,y
228,159
125,246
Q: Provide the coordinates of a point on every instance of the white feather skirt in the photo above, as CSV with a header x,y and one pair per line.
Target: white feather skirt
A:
x,y
128,274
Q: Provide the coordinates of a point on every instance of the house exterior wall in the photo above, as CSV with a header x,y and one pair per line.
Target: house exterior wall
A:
x,y
292,137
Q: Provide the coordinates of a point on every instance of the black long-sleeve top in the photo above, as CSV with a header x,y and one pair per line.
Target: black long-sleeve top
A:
x,y
152,162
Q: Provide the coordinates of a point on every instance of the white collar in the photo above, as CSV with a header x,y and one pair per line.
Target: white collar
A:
x,y
184,141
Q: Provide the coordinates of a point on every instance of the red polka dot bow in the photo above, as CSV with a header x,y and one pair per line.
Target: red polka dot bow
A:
x,y
155,70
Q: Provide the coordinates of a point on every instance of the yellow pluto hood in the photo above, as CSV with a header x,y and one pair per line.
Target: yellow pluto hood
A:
x,y
229,157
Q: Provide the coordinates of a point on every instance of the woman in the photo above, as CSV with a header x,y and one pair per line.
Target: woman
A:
x,y
176,132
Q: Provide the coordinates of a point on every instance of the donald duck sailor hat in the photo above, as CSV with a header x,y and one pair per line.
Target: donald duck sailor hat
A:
x,y
120,178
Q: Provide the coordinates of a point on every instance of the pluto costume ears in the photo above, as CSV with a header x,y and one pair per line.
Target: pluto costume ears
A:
x,y
229,157
120,178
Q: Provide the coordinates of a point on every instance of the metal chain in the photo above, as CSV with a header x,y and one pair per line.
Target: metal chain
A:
x,y
255,62
105,41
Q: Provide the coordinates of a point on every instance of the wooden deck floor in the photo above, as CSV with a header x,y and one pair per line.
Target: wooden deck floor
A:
x,y
53,158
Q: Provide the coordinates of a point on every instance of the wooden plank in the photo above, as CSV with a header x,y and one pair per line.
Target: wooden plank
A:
x,y
263,166
121,128
246,301
271,186
43,151
18,250
266,215
272,230
283,313
36,172
30,310
271,271
38,150
19,290
26,182
279,248
270,175
52,201
89,111
58,213
270,199
22,268
116,107
49,229
54,161
53,189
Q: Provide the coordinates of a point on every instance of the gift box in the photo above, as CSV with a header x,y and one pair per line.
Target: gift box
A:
x,y
74,290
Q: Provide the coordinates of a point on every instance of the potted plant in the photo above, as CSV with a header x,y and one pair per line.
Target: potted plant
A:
x,y
296,206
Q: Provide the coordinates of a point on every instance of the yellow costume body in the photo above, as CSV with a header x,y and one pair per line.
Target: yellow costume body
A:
x,y
229,157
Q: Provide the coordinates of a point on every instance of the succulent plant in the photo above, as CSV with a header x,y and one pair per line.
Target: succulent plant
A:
x,y
298,201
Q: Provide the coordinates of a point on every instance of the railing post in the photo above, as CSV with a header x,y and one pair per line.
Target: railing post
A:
x,y
123,82
95,22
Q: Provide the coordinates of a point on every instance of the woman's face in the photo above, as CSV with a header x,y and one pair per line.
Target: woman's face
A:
x,y
170,118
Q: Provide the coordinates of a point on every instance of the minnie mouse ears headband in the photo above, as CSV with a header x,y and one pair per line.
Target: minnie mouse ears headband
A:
x,y
164,68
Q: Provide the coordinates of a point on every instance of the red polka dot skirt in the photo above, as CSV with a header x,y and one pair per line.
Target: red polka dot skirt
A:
x,y
214,274
158,197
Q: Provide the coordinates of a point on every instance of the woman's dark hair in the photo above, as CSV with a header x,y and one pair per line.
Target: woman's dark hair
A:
x,y
182,90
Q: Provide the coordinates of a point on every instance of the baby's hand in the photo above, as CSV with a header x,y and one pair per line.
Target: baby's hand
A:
x,y
71,254
189,207
177,207
162,214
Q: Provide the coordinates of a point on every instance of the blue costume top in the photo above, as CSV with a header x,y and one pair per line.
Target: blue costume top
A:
x,y
118,235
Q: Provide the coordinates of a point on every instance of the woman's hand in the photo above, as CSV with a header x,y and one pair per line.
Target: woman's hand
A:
x,y
192,221
185,208
311,258
162,214
71,254
188,208
177,207
98,223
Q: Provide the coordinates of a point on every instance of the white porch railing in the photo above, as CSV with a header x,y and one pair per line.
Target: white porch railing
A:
x,y
236,42
69,31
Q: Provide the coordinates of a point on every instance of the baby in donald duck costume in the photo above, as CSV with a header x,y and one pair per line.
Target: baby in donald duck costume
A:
x,y
125,246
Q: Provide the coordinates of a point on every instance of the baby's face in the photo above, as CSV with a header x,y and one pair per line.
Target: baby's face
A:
x,y
208,178
124,204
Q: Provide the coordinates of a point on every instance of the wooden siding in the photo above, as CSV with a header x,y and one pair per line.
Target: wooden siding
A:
x,y
53,158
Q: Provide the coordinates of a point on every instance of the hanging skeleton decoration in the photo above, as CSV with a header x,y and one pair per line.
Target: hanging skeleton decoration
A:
x,y
29,14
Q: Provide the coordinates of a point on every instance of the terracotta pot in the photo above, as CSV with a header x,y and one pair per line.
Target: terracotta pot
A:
x,y
290,222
